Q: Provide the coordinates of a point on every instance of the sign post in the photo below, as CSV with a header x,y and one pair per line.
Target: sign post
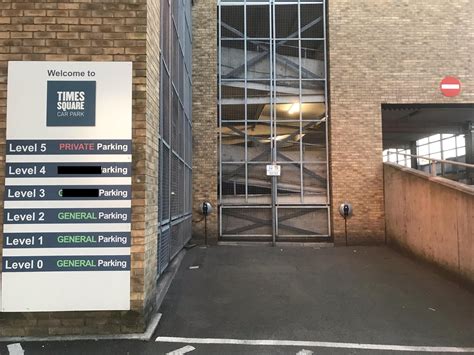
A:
x,y
67,209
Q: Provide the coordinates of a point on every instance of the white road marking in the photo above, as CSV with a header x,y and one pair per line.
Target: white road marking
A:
x,y
320,344
15,349
304,352
183,350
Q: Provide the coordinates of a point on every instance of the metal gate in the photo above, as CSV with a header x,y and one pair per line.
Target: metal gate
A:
x,y
272,110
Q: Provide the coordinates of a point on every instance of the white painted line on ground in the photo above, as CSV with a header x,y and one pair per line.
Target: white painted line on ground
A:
x,y
304,352
183,350
15,349
320,344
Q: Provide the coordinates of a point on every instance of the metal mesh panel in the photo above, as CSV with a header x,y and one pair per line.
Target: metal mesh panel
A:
x,y
165,25
165,184
180,145
174,186
175,56
188,224
241,221
181,187
232,22
181,71
175,8
174,122
176,237
286,21
175,131
302,222
165,106
310,14
258,21
164,249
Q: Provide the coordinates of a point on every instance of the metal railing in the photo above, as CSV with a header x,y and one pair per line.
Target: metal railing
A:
x,y
432,161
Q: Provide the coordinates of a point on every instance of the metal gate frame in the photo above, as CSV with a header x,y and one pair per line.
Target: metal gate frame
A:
x,y
273,122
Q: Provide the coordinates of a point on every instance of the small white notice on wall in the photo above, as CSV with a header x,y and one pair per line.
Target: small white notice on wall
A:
x,y
273,170
67,202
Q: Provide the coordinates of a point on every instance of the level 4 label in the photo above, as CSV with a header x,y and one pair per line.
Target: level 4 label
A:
x,y
25,170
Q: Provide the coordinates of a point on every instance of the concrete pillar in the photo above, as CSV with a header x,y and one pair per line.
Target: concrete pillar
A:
x,y
469,136
414,161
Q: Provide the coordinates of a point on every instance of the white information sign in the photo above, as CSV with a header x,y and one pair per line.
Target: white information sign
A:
x,y
273,170
67,203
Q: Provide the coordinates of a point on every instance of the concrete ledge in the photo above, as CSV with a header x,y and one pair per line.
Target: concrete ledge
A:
x,y
438,179
164,284
146,336
278,244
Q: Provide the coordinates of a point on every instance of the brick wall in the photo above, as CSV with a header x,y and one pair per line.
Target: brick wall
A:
x,y
386,51
152,129
205,115
380,51
93,30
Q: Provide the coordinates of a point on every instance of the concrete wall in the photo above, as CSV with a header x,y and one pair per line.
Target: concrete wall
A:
x,y
386,51
431,217
81,30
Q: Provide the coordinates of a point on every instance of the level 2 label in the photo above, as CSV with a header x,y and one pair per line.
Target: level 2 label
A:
x,y
59,215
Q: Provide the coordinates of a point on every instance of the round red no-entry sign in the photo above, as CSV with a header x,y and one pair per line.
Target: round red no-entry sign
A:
x,y
450,86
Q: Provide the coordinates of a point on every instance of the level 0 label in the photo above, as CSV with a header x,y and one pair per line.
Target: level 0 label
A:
x,y
66,263
66,240
33,147
60,215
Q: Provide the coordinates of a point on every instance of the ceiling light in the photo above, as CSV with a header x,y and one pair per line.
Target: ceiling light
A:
x,y
295,108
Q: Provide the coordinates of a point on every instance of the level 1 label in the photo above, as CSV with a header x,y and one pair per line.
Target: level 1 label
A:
x,y
61,215
66,240
66,263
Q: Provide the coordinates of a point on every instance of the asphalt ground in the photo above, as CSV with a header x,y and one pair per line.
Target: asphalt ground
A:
x,y
343,300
